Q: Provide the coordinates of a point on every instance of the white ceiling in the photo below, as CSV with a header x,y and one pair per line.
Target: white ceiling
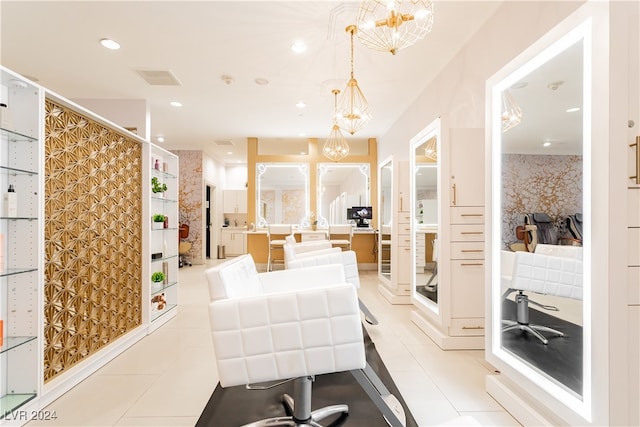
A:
x,y
199,41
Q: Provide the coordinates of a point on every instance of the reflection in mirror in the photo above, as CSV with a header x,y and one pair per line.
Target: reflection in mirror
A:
x,y
283,193
385,198
539,192
340,187
425,205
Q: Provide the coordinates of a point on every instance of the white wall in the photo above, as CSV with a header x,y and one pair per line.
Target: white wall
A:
x,y
236,177
123,112
458,93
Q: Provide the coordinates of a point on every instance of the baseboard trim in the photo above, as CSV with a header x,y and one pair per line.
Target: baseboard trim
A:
x,y
444,341
522,411
393,298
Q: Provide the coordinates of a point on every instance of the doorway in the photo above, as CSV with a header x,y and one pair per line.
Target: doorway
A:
x,y
209,205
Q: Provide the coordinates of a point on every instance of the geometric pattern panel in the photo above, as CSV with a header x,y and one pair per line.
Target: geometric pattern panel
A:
x,y
93,237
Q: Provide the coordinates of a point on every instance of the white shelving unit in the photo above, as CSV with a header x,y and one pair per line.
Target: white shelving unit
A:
x,y
163,242
21,266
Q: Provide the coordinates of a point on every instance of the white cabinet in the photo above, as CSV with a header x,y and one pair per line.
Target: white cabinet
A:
x,y
164,242
234,240
234,201
466,167
21,248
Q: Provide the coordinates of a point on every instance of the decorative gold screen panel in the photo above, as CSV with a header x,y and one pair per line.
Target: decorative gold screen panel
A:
x,y
93,237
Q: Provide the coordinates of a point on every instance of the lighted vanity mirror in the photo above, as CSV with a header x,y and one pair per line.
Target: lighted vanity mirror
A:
x,y
341,186
385,209
283,193
424,208
539,325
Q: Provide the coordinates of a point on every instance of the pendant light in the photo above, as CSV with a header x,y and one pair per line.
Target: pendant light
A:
x,y
336,147
511,114
353,111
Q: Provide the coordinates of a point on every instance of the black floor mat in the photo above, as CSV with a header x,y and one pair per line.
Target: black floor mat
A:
x,y
235,406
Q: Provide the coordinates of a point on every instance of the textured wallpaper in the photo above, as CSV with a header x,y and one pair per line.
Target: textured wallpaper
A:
x,y
293,206
93,237
190,196
551,184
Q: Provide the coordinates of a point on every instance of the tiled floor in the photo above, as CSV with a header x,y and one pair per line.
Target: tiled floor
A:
x,y
167,378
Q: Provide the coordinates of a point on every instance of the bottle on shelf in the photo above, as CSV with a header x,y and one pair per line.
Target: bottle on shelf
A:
x,y
11,202
6,118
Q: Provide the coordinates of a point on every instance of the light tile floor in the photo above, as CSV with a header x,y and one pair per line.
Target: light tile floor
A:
x,y
167,377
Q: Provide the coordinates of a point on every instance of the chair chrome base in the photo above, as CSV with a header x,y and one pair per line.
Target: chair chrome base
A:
x,y
522,314
302,415
532,329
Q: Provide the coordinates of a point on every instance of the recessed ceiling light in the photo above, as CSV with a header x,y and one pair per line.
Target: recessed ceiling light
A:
x,y
301,134
301,104
160,139
298,46
546,144
303,153
261,81
573,110
110,44
229,152
176,103
519,85
227,79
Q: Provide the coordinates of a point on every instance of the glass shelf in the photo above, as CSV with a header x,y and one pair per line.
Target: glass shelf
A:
x,y
165,229
156,314
157,288
163,199
11,402
14,171
16,136
13,342
163,174
165,258
19,218
14,271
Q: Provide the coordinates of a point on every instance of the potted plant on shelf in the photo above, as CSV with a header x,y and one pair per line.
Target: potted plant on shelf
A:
x,y
158,187
157,277
158,221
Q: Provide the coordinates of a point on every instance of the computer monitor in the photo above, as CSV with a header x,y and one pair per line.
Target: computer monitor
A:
x,y
360,214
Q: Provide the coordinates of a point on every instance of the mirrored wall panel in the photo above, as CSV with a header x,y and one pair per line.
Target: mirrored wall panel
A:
x,y
385,198
540,218
425,207
283,193
342,187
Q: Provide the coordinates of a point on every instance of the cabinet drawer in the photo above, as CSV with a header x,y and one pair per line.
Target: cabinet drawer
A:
x,y
633,285
404,289
467,250
404,228
467,233
467,215
404,240
473,326
634,207
404,218
467,289
634,246
404,264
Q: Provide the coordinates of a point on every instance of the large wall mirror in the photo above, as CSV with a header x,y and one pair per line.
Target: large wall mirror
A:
x,y
283,193
540,128
341,186
385,217
425,207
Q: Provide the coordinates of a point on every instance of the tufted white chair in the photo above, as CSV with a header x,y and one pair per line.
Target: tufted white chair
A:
x,y
289,324
550,270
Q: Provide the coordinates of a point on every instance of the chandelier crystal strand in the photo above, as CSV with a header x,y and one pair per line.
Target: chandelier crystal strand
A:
x,y
392,25
353,112
336,147
511,114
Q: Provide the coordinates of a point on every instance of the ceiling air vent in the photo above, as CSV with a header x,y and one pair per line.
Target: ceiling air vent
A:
x,y
222,142
159,77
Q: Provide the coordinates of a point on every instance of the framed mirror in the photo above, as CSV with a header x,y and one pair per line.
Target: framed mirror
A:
x,y
341,186
385,217
425,207
283,193
540,145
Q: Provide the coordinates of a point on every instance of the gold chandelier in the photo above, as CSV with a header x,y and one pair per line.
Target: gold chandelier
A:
x,y
391,25
354,112
511,114
336,147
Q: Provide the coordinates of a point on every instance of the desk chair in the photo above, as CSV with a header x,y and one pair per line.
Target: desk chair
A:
x,y
276,234
183,245
341,236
